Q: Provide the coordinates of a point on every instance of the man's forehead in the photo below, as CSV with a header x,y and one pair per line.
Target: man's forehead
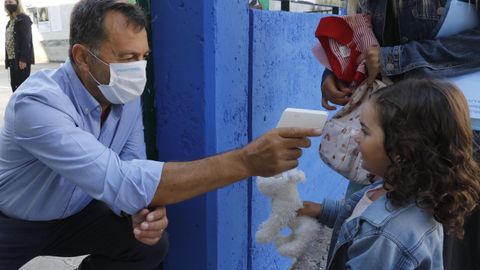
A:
x,y
123,36
119,49
116,23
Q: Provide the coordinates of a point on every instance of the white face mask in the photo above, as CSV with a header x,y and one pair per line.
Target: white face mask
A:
x,y
127,81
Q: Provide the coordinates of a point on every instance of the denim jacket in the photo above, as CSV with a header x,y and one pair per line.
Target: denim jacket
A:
x,y
419,52
382,237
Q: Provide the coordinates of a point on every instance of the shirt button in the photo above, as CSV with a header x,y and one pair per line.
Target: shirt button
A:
x,y
389,66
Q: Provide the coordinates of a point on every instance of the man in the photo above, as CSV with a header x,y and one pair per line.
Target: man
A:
x,y
72,157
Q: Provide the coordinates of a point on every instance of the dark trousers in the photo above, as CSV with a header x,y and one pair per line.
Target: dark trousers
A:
x,y
96,230
465,254
17,75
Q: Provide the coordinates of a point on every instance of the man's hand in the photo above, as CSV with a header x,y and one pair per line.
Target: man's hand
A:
x,y
22,65
148,226
335,91
277,150
310,209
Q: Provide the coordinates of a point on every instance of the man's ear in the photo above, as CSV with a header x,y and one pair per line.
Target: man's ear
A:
x,y
81,57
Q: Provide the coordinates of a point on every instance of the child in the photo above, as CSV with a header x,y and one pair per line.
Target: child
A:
x,y
416,135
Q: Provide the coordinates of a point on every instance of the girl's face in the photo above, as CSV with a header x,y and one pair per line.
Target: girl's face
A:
x,y
370,141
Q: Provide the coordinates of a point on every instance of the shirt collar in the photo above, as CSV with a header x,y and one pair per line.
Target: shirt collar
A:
x,y
84,99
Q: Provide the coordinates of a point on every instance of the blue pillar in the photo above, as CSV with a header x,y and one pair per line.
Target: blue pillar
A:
x,y
181,119
201,77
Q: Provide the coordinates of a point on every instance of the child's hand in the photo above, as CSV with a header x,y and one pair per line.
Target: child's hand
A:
x,y
310,209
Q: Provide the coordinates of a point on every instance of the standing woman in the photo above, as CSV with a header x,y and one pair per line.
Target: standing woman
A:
x,y
18,43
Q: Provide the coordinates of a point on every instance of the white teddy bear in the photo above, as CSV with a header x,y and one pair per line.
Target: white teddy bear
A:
x,y
285,202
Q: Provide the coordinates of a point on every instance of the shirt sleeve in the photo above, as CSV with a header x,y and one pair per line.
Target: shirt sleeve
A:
x,y
45,129
446,56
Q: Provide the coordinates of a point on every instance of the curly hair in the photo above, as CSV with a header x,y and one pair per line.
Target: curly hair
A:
x,y
429,141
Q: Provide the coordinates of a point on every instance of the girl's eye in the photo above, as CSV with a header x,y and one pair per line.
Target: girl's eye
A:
x,y
364,132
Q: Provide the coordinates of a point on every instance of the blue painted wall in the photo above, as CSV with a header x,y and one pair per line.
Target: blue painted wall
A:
x,y
230,74
223,74
286,74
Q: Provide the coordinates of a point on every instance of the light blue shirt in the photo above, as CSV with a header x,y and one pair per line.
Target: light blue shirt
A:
x,y
55,156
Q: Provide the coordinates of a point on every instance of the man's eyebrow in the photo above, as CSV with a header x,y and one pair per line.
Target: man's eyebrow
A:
x,y
127,53
133,53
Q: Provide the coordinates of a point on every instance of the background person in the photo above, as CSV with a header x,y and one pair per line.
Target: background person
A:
x,y
18,43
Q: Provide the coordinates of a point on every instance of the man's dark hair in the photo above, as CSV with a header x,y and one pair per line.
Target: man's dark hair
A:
x,y
87,21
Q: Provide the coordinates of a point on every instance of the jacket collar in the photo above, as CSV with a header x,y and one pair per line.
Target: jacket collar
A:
x,y
380,212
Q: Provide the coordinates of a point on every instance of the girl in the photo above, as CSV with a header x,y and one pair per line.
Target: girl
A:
x,y
416,134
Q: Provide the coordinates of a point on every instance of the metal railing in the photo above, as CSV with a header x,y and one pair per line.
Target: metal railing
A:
x,y
322,6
